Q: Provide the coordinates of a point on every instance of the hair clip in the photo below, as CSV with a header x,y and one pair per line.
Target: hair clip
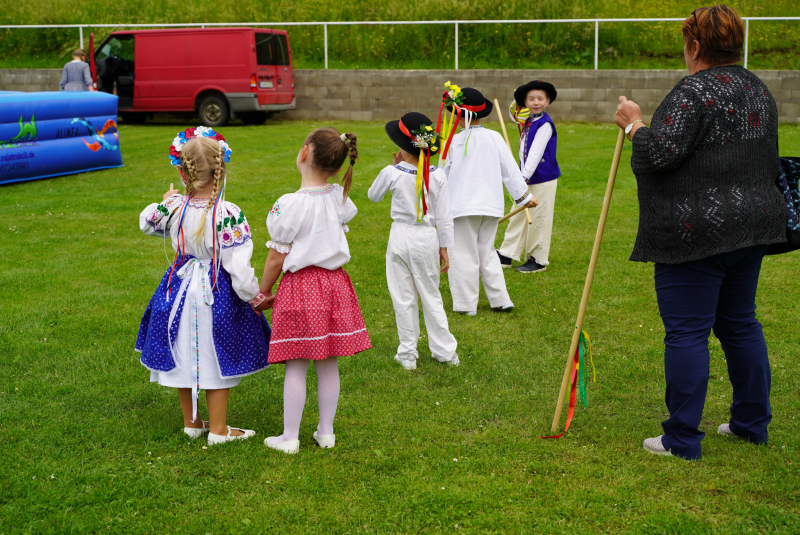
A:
x,y
343,137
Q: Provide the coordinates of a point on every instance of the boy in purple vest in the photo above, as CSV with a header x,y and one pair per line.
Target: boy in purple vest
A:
x,y
537,157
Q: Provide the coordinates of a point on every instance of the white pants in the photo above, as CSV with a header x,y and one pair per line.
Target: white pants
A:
x,y
474,260
533,239
412,273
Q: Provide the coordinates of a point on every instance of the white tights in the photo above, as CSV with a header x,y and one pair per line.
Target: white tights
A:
x,y
294,396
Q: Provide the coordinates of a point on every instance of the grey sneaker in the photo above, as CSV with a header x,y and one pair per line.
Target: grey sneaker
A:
x,y
654,445
505,262
531,266
506,308
406,364
725,429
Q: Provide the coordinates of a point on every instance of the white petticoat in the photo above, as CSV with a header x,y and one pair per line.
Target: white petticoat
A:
x,y
186,359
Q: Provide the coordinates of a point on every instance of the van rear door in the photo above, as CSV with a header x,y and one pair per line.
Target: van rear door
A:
x,y
285,76
266,54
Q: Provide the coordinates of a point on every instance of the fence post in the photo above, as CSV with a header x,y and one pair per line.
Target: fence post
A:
x,y
596,42
80,30
325,32
746,39
456,46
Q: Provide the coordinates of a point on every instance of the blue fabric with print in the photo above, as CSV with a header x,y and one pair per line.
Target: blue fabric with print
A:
x,y
547,169
241,338
788,182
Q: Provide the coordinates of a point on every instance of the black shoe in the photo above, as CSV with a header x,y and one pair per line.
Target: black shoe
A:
x,y
505,262
531,266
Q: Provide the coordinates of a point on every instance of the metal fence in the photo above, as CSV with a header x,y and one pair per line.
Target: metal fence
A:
x,y
455,24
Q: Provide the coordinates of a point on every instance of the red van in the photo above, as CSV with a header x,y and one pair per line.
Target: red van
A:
x,y
219,73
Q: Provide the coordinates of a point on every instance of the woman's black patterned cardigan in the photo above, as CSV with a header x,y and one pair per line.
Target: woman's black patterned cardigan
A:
x,y
706,169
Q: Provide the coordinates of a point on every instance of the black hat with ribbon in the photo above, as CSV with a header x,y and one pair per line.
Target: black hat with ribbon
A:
x,y
402,132
474,101
521,93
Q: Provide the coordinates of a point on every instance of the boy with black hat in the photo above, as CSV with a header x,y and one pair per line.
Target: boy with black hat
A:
x,y
537,157
478,165
420,202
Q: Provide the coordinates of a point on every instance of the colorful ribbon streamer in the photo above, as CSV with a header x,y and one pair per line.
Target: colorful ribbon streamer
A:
x,y
579,378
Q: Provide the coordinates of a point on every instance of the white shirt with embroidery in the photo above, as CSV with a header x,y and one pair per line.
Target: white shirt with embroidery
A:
x,y
309,226
478,165
401,181
234,241
536,151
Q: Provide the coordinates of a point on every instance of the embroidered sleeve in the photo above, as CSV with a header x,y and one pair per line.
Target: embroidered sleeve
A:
x,y
232,227
283,222
157,218
236,250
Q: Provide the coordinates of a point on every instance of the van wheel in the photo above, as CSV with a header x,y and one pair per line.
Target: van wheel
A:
x,y
253,117
213,111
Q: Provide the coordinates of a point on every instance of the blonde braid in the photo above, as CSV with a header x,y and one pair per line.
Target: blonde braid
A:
x,y
217,178
191,174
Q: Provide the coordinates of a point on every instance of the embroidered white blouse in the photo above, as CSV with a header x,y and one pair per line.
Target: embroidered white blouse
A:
x,y
536,152
476,176
401,180
310,225
234,241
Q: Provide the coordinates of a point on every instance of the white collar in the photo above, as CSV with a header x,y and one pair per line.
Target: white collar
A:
x,y
408,166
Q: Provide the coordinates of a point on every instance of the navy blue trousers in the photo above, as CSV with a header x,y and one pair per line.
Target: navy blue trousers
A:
x,y
717,292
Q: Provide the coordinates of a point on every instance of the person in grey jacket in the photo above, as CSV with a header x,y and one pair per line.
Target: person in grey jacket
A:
x,y
708,209
76,75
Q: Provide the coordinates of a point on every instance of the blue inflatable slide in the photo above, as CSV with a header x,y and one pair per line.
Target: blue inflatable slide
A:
x,y
55,133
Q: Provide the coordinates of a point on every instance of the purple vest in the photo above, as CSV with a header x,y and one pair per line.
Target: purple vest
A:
x,y
547,169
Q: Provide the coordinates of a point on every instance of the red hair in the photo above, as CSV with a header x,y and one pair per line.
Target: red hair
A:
x,y
720,32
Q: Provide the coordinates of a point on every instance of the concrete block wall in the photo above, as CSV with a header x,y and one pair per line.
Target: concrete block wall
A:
x,y
366,95
30,80
583,95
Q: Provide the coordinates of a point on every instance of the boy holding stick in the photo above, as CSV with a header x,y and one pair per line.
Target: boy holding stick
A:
x,y
537,156
478,165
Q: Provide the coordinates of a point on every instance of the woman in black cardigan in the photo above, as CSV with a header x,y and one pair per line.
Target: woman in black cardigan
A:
x,y
708,209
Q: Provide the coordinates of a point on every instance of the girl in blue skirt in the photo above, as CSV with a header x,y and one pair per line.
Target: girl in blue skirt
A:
x,y
200,330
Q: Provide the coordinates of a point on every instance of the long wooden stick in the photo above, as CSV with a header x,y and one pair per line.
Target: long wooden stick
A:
x,y
505,135
512,213
588,285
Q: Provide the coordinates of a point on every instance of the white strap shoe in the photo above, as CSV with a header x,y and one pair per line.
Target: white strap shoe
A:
x,y
219,439
325,441
196,432
287,446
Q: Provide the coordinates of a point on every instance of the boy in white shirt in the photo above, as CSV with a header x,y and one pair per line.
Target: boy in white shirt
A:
x,y
478,166
537,156
421,232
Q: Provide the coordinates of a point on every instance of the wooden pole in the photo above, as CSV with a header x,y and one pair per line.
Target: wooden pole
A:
x,y
512,213
588,285
505,135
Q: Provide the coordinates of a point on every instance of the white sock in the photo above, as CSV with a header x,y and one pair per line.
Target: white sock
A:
x,y
328,394
294,398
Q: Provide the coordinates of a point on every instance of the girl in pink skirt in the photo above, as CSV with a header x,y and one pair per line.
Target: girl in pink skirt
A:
x,y
316,314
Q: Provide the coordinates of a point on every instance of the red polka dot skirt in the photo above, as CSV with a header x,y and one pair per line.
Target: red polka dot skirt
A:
x,y
316,316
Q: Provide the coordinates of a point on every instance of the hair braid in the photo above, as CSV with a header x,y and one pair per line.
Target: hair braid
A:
x,y
191,174
347,180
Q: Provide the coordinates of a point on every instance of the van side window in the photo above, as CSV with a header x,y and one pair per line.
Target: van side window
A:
x,y
271,49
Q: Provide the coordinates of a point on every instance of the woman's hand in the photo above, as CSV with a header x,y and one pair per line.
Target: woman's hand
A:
x,y
172,191
397,158
444,260
627,112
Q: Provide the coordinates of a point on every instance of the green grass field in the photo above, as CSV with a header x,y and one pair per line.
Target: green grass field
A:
x,y
650,45
87,445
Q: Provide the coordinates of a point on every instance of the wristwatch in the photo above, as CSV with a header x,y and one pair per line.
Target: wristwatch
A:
x,y
630,127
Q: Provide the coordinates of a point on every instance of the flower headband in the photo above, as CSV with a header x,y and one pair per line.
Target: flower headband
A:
x,y
191,133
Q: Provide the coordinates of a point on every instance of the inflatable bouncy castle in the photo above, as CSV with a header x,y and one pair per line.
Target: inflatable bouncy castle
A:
x,y
53,133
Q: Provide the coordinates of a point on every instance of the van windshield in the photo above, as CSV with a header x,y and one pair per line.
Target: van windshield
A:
x,y
271,49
